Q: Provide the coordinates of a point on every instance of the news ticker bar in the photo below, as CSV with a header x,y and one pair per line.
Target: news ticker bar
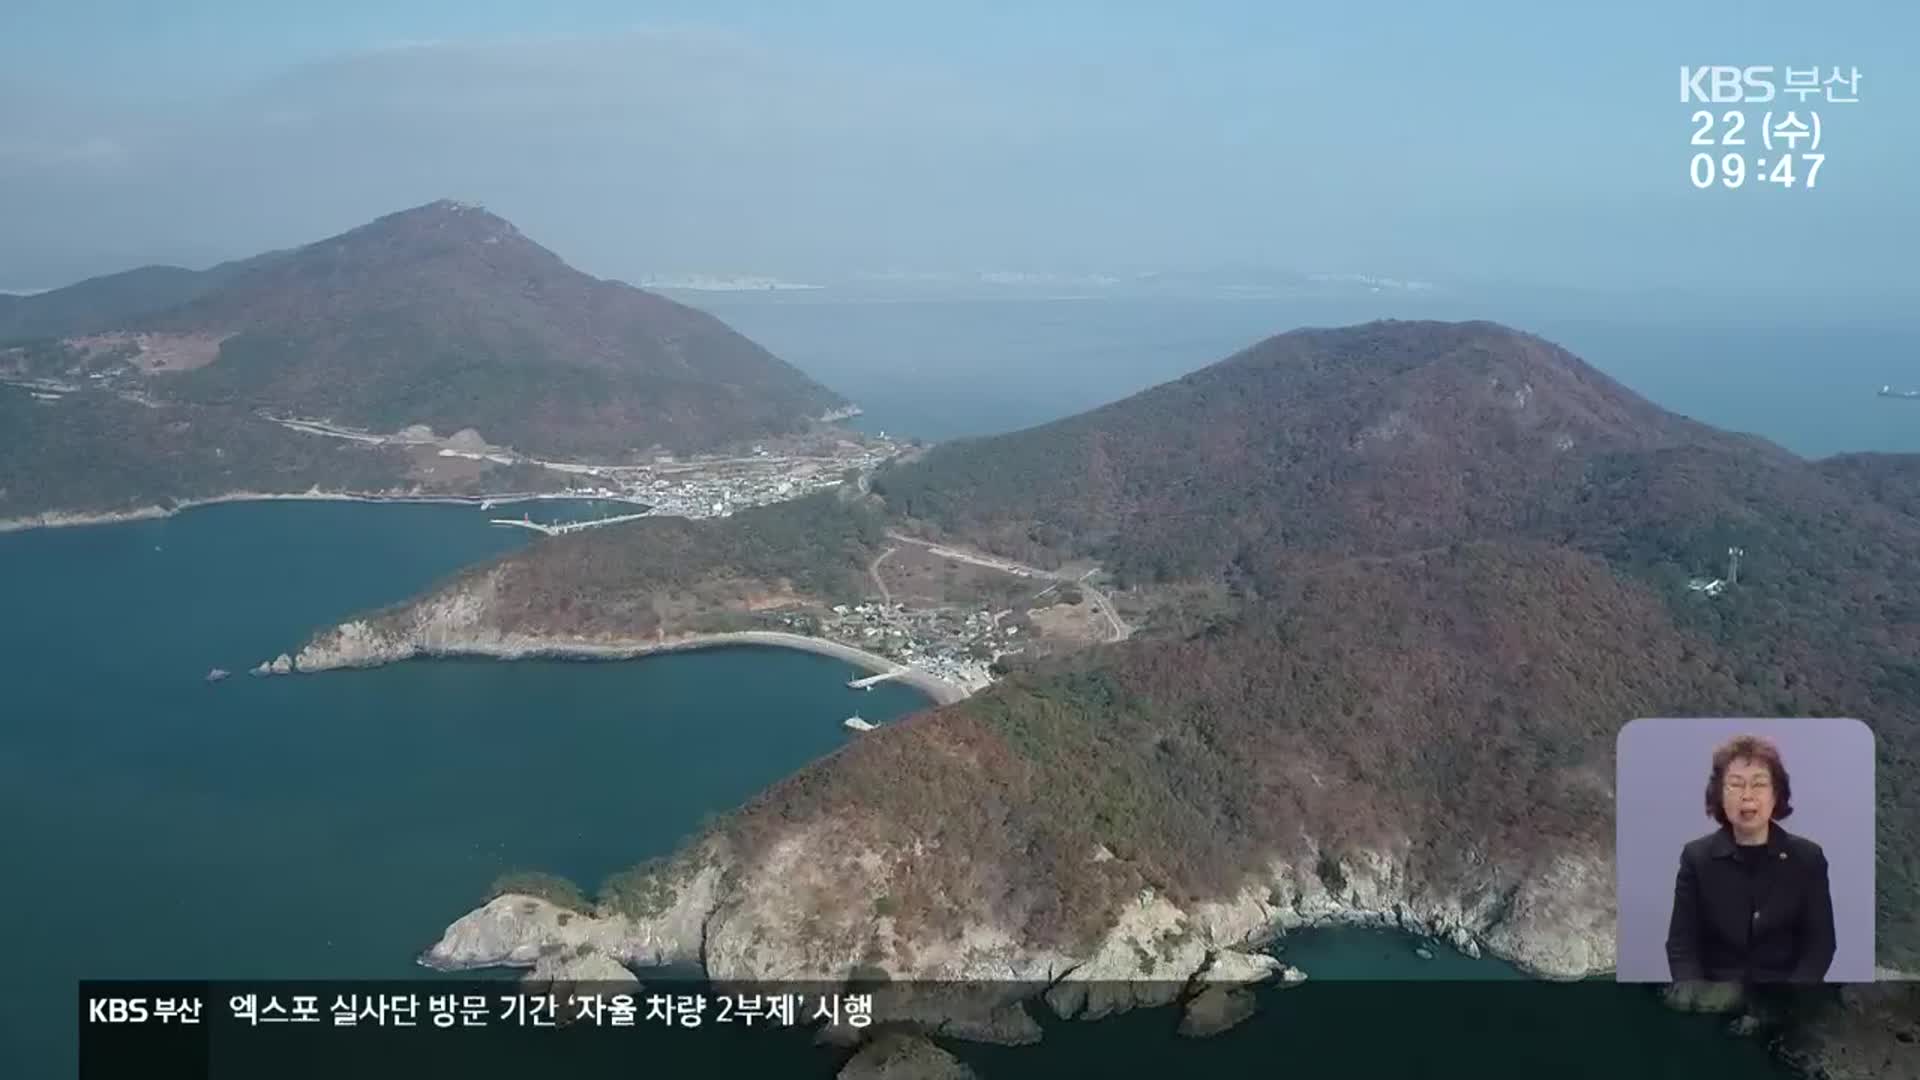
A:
x,y
238,1028
670,1003
287,1029
467,1005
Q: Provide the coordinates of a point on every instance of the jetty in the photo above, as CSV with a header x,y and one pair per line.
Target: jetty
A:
x,y
858,724
868,682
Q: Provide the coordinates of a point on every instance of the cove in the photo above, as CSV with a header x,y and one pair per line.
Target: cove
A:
x,y
326,825
331,825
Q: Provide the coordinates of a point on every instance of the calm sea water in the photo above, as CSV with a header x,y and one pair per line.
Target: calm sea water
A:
x,y
331,825
326,825
942,370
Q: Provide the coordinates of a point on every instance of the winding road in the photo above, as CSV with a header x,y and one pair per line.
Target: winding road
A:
x,y
1101,602
873,571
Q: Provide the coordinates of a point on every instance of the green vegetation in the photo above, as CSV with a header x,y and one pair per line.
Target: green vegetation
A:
x,y
673,575
639,892
103,303
1146,960
40,358
1334,712
438,315
93,451
549,887
1321,460
1373,671
1415,579
451,318
1169,942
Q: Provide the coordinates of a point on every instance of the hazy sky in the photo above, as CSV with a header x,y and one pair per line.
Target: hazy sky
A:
x,y
1537,142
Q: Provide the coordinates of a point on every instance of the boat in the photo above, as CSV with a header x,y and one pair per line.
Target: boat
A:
x,y
216,674
858,724
1888,391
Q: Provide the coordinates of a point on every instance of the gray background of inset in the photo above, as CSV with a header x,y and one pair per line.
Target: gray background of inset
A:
x,y
1660,787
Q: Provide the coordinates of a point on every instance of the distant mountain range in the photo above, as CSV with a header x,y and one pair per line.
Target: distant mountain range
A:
x,y
1395,590
1015,284
443,315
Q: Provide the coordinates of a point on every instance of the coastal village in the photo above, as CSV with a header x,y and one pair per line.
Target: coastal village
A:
x,y
954,636
716,486
692,486
956,639
955,615
953,645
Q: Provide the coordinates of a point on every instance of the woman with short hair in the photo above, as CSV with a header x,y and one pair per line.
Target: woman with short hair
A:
x,y
1751,902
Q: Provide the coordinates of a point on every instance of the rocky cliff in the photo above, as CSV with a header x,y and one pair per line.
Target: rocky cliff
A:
x,y
1381,670
805,911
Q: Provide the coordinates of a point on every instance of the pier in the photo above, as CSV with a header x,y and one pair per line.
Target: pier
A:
x,y
869,681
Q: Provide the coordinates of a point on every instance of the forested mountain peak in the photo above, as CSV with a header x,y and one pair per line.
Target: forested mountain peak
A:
x,y
444,315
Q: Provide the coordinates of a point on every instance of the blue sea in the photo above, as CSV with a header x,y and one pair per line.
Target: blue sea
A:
x,y
331,825
947,369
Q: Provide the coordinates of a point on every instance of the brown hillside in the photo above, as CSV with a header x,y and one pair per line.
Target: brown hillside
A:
x,y
446,315
1892,479
1369,439
1453,562
1461,551
1462,701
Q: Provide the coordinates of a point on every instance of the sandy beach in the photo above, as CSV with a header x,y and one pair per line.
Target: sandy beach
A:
x,y
940,690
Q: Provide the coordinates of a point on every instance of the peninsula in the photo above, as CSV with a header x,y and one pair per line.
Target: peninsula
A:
x,y
1386,595
436,351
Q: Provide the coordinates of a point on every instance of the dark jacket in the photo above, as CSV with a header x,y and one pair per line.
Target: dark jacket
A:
x,y
1757,914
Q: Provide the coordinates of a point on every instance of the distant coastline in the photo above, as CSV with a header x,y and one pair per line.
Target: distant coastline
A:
x,y
60,519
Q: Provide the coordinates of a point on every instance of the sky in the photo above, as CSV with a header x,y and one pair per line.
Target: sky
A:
x,y
1480,141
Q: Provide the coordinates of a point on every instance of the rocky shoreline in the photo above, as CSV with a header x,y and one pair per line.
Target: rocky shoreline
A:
x,y
741,922
516,647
